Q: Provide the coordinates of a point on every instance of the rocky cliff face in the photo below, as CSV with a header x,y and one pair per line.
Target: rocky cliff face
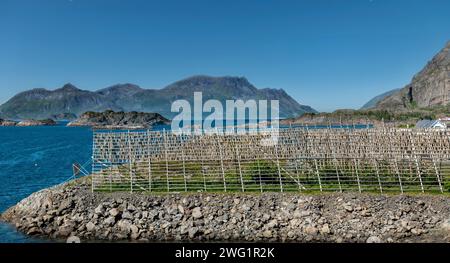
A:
x,y
119,119
42,103
429,87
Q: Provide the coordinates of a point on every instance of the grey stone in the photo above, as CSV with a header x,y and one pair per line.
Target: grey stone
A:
x,y
373,239
114,212
192,232
124,225
90,226
110,221
181,209
64,230
127,215
446,225
267,234
34,231
99,210
134,229
325,229
311,230
348,207
197,213
273,223
131,208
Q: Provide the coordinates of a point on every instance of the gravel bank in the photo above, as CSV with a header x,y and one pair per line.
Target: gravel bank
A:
x,y
72,210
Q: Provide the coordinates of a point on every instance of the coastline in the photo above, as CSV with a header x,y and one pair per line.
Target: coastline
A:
x,y
71,209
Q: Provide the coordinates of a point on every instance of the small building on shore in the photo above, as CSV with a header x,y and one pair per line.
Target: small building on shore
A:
x,y
431,124
445,120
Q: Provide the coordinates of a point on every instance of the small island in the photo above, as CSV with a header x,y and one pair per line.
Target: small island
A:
x,y
119,120
6,123
27,123
46,122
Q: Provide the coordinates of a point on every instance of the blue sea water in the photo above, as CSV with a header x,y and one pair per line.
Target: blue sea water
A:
x,y
34,158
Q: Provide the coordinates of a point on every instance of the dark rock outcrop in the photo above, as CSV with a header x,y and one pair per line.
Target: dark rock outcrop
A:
x,y
111,119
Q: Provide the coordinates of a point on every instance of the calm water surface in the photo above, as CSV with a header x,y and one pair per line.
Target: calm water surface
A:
x,y
34,158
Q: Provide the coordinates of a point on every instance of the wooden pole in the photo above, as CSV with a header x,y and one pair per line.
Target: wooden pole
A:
x,y
130,160
167,159
221,163
318,174
240,169
419,174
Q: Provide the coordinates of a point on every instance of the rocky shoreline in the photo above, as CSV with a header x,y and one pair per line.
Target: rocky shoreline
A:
x,y
27,123
72,210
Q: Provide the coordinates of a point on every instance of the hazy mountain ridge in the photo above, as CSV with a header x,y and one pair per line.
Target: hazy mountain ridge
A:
x,y
42,103
373,102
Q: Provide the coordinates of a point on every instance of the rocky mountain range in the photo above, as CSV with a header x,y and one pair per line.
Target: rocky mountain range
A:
x,y
430,87
70,100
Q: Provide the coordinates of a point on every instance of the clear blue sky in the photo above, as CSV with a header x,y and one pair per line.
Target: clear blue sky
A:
x,y
328,54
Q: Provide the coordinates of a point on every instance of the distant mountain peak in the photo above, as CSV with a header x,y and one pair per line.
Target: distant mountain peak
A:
x,y
205,80
127,88
124,86
68,87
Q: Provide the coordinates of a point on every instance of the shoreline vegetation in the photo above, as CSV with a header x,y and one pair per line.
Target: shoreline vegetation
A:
x,y
376,117
72,209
